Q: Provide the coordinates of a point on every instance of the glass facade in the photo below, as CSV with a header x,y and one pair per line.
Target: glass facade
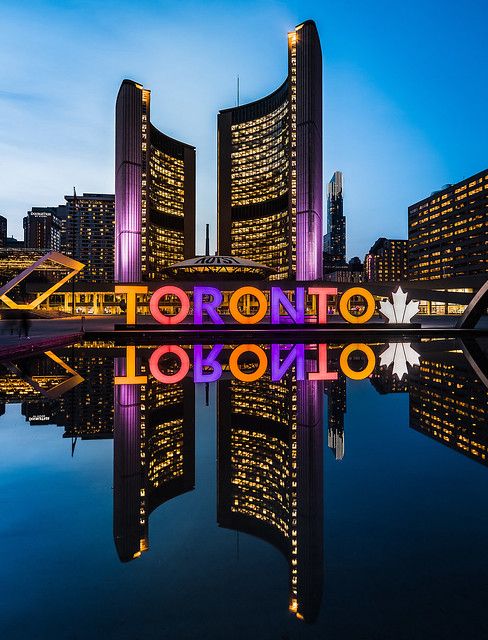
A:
x,y
270,169
155,192
448,231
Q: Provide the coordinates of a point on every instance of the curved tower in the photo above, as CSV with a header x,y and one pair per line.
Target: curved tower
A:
x,y
154,192
270,169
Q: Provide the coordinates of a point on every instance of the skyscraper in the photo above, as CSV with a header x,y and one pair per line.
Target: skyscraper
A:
x,y
154,192
335,238
270,169
43,227
88,235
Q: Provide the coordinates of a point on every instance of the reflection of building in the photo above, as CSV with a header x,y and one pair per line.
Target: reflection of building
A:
x,y
89,235
270,475
336,408
270,169
154,192
335,238
450,405
43,226
448,231
85,412
154,455
387,261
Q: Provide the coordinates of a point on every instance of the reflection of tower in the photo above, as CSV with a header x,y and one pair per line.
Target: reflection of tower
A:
x,y
270,475
154,455
336,408
449,404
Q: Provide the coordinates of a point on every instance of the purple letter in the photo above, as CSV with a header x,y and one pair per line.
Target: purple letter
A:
x,y
279,297
199,305
278,370
210,361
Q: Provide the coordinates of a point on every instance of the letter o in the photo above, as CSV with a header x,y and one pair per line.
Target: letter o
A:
x,y
343,305
159,353
346,369
234,362
241,318
164,291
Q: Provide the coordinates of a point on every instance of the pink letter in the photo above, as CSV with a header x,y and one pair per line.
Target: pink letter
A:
x,y
159,353
322,294
322,373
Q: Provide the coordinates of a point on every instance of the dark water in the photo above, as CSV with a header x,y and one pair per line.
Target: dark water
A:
x,y
267,509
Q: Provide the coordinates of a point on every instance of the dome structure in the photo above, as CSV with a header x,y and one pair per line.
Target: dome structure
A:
x,y
218,268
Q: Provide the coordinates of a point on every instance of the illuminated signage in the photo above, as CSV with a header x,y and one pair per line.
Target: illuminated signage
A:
x,y
276,308
248,362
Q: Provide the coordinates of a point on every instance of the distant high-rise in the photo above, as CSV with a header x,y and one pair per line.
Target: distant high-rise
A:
x,y
43,227
88,235
154,192
3,231
335,238
448,232
270,169
387,261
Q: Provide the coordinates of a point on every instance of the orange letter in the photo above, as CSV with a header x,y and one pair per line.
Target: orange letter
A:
x,y
159,353
357,375
322,294
234,362
130,369
250,291
131,290
164,291
344,305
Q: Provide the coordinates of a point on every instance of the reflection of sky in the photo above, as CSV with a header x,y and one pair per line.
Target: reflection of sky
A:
x,y
405,530
405,93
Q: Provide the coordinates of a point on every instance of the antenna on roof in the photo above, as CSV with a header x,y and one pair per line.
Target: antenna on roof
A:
x,y
207,240
238,90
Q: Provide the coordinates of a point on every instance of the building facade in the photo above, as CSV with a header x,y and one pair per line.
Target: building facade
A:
x,y
270,169
154,192
387,261
448,232
88,235
335,238
43,227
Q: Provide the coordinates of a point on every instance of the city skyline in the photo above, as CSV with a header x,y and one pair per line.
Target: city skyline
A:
x,y
375,106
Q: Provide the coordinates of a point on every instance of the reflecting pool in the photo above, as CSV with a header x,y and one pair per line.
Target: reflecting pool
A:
x,y
245,491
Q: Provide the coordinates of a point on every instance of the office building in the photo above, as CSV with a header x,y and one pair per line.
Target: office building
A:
x,y
448,232
89,235
335,238
270,169
387,261
154,192
43,227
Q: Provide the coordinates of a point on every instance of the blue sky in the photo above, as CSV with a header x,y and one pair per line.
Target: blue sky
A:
x,y
405,94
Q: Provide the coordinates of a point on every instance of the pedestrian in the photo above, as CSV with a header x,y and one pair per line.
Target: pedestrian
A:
x,y
24,325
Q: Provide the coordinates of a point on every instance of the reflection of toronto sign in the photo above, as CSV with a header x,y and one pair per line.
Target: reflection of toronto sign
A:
x,y
249,362
207,300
